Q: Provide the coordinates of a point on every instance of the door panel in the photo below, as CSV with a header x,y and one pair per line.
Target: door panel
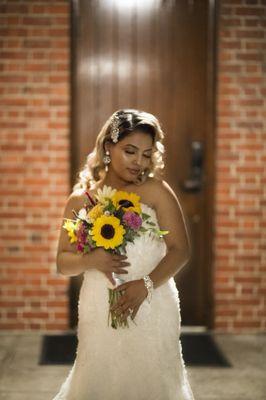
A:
x,y
156,56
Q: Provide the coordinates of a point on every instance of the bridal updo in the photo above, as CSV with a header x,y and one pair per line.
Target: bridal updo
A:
x,y
129,120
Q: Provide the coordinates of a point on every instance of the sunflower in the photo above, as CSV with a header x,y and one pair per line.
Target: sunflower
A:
x,y
95,212
107,232
70,226
128,201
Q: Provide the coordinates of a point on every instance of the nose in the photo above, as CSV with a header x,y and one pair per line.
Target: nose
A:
x,y
137,161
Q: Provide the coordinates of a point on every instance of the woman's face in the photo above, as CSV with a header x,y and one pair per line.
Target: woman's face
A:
x,y
131,155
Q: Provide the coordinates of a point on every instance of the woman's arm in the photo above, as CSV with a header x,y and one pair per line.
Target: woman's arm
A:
x,y
170,217
68,261
168,267
72,264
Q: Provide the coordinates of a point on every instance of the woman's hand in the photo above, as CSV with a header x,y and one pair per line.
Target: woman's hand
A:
x,y
108,263
135,293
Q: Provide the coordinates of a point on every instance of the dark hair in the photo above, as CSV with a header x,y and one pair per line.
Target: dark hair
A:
x,y
131,120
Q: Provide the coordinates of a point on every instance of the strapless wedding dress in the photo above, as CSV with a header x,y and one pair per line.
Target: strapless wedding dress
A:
x,y
142,362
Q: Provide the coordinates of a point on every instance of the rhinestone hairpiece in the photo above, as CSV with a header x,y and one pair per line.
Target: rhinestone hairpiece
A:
x,y
114,128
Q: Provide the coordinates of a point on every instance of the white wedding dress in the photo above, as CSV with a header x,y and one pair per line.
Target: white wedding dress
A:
x,y
142,362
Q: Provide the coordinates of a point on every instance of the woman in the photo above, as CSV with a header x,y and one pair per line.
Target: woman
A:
x,y
144,361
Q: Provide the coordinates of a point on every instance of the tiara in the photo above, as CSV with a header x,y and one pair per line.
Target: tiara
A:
x,y
114,128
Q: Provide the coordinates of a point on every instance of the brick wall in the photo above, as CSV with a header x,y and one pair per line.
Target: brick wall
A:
x,y
34,166
240,278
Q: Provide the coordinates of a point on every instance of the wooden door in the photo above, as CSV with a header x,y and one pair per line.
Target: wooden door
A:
x,y
156,56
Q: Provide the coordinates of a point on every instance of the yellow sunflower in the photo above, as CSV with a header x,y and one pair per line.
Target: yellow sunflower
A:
x,y
128,201
107,231
70,226
96,212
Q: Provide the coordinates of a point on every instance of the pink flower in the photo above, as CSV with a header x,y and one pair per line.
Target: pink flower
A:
x,y
80,247
81,234
132,219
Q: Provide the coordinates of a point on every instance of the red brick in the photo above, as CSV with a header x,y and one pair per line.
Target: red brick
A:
x,y
249,11
246,34
240,103
12,325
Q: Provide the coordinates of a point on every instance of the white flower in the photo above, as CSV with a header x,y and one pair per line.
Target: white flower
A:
x,y
105,192
83,214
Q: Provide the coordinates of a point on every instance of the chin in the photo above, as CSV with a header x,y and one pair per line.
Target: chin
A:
x,y
129,180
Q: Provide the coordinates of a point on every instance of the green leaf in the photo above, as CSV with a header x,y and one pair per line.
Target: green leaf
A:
x,y
145,216
86,248
142,229
151,223
163,232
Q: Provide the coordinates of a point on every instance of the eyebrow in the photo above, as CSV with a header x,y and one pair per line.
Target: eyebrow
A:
x,y
128,144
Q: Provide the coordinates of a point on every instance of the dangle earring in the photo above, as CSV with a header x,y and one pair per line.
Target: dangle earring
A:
x,y
106,159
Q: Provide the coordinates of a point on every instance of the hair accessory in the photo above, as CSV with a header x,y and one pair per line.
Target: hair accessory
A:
x,y
114,128
149,285
106,159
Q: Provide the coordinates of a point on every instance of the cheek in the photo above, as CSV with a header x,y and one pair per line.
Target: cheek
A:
x,y
125,158
146,162
121,160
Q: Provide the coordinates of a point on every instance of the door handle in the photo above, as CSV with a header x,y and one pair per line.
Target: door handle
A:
x,y
193,183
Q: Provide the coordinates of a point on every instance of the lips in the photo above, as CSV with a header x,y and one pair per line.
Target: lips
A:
x,y
134,171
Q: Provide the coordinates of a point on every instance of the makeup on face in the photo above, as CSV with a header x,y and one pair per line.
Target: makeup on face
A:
x,y
130,149
134,172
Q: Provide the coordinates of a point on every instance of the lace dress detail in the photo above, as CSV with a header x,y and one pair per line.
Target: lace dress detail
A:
x,y
142,362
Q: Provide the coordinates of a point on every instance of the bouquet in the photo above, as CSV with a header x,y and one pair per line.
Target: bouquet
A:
x,y
111,221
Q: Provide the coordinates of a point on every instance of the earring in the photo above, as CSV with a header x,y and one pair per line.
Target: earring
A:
x,y
106,160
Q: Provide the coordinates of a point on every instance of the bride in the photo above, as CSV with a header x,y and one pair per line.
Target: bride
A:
x,y
143,361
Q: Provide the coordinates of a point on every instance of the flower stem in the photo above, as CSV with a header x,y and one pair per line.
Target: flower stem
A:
x,y
115,320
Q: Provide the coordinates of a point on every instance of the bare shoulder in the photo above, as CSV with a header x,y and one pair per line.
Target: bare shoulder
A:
x,y
170,216
160,192
76,199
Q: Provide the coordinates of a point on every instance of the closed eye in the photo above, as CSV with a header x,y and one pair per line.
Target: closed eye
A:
x,y
130,152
